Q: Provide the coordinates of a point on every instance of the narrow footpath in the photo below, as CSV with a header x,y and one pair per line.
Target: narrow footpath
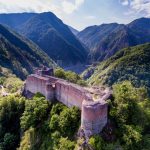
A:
x,y
3,92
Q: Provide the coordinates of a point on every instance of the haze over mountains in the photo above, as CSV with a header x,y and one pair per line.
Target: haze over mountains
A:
x,y
51,34
105,40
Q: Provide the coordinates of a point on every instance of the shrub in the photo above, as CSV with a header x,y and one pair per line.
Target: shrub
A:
x,y
35,112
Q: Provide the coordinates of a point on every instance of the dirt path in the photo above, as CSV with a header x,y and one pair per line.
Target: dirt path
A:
x,y
3,92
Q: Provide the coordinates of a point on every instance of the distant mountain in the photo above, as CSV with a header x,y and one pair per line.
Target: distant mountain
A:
x,y
50,34
73,30
106,39
19,54
55,38
131,64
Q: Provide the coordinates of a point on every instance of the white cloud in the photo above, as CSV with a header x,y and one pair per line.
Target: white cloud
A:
x,y
56,6
141,6
124,2
90,17
8,6
138,7
70,6
59,7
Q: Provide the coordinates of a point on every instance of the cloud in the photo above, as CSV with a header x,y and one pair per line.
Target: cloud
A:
x,y
8,6
70,6
138,7
141,6
56,6
90,17
124,2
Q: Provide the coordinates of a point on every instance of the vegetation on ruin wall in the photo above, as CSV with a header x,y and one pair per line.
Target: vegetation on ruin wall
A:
x,y
69,76
128,64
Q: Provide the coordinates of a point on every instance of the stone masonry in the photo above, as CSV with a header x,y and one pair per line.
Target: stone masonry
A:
x,y
91,101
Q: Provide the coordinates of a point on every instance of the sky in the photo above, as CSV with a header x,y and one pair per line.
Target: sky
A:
x,y
82,13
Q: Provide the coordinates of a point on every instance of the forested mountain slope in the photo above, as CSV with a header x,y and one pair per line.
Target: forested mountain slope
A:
x,y
50,34
131,64
19,54
105,40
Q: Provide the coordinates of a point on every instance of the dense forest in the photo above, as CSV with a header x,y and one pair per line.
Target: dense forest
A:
x,y
19,55
39,124
131,64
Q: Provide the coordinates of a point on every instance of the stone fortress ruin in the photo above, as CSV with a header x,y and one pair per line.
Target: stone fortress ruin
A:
x,y
91,101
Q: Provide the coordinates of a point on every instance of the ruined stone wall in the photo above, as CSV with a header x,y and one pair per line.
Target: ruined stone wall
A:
x,y
69,94
93,113
35,84
52,88
94,116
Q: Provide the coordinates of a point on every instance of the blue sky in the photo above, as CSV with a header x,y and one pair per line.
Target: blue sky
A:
x,y
83,13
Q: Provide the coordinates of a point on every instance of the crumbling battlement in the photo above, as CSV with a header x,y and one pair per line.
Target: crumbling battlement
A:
x,y
91,101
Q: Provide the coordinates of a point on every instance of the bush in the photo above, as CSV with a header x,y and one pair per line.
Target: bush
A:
x,y
9,141
60,73
54,123
13,84
28,140
2,80
69,121
35,112
69,76
65,120
130,110
96,142
11,109
65,144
